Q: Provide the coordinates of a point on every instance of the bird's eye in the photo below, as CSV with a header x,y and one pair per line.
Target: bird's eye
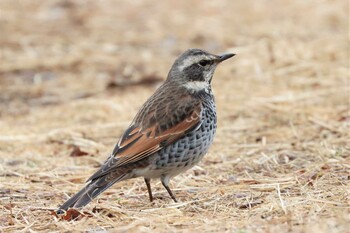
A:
x,y
204,62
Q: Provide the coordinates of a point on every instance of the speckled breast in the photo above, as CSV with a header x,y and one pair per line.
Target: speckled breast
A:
x,y
190,149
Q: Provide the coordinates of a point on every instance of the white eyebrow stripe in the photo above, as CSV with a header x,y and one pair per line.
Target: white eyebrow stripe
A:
x,y
191,60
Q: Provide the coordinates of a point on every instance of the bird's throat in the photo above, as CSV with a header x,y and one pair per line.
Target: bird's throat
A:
x,y
197,86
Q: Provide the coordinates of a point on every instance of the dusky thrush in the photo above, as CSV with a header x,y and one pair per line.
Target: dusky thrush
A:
x,y
171,133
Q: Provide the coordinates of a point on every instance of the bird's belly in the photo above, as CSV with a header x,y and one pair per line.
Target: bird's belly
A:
x,y
182,154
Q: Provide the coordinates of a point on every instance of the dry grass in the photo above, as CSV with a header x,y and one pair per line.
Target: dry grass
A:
x,y
74,73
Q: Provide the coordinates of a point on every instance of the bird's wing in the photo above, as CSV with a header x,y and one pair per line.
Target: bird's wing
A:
x,y
156,125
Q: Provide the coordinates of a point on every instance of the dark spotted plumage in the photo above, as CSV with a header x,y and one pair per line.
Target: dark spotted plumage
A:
x,y
189,150
171,133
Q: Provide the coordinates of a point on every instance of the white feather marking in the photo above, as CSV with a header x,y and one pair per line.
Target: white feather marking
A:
x,y
197,85
192,60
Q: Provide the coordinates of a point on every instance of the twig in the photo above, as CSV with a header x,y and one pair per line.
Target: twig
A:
x,y
281,200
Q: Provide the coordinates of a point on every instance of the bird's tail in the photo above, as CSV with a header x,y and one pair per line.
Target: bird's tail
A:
x,y
89,192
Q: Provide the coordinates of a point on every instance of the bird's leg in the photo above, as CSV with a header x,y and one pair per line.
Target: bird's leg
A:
x,y
165,182
148,183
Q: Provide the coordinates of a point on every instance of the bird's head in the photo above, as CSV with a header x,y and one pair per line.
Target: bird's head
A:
x,y
194,68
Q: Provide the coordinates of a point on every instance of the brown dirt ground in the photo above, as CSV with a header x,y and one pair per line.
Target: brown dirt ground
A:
x,y
74,73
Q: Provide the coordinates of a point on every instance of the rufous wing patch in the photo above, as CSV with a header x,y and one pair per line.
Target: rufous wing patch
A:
x,y
145,142
143,139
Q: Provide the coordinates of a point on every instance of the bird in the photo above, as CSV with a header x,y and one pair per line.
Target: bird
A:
x,y
170,134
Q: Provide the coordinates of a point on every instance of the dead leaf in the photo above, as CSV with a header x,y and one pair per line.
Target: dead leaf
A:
x,y
71,214
250,182
76,180
77,152
9,206
250,205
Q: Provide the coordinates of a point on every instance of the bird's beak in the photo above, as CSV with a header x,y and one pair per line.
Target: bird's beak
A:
x,y
225,56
